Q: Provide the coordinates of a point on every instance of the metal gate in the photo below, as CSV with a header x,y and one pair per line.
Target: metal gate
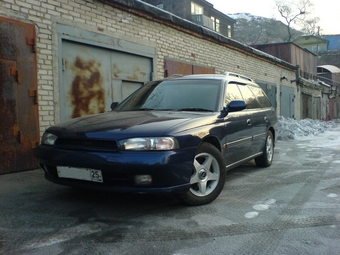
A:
x,y
332,108
316,114
94,77
325,115
306,106
287,102
270,90
19,122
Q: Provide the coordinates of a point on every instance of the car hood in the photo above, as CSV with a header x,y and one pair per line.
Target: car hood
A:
x,y
119,125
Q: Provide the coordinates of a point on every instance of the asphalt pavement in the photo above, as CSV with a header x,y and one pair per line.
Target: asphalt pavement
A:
x,y
291,207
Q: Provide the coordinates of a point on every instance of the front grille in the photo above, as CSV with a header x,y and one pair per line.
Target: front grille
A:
x,y
86,144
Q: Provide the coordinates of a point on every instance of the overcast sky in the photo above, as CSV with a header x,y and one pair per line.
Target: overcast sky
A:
x,y
327,10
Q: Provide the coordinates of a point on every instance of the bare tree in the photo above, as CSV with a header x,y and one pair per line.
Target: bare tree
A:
x,y
311,26
293,12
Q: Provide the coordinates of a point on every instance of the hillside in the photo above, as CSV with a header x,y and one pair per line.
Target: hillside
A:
x,y
250,29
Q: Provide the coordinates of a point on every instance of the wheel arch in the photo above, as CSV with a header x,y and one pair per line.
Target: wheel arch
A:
x,y
212,140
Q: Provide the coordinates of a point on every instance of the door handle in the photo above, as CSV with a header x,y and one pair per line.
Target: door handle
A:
x,y
248,122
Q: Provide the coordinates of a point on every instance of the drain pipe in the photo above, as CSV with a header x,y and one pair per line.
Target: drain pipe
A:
x,y
297,76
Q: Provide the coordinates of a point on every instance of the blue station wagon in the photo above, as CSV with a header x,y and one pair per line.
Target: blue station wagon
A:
x,y
177,135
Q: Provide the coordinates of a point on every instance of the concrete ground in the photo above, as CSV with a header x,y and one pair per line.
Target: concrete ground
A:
x,y
291,207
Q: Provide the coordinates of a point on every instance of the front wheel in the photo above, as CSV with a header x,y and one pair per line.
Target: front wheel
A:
x,y
266,158
208,176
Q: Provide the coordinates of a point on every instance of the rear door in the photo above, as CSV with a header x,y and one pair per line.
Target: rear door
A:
x,y
256,119
265,113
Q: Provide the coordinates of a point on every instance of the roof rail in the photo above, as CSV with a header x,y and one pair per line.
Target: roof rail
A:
x,y
173,76
238,76
176,75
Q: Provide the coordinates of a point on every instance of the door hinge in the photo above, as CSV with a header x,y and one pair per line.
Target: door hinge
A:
x,y
32,42
33,93
13,71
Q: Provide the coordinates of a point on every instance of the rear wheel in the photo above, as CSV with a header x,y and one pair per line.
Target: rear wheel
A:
x,y
208,176
266,158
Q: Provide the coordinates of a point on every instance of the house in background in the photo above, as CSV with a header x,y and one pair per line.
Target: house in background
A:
x,y
200,12
312,43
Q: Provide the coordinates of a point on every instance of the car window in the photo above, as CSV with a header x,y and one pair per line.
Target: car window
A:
x,y
232,93
175,95
249,97
261,97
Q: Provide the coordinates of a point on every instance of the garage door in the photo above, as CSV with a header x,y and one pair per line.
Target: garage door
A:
x,y
19,135
94,77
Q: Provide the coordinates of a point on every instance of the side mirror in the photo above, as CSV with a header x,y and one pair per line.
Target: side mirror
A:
x,y
233,106
236,105
114,105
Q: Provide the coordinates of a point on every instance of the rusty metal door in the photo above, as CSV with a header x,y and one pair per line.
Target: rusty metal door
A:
x,y
173,67
93,77
19,121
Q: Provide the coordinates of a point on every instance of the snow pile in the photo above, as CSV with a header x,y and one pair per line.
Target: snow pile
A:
x,y
292,129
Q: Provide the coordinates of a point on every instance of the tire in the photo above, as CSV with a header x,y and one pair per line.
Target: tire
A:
x,y
208,177
266,158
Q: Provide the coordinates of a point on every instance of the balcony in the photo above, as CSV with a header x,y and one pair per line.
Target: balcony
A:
x,y
203,20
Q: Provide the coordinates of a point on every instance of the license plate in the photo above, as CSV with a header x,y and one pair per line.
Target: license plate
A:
x,y
86,174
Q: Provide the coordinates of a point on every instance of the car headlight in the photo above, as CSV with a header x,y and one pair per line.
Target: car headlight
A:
x,y
48,138
149,143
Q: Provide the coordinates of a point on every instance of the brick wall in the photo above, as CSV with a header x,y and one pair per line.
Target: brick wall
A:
x,y
169,42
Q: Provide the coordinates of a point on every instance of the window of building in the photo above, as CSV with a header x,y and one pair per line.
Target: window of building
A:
x,y
196,9
213,21
229,30
216,24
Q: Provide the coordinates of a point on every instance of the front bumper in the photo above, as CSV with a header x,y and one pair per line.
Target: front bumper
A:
x,y
170,170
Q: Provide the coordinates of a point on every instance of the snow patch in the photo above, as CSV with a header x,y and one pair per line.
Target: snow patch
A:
x,y
261,207
289,128
250,215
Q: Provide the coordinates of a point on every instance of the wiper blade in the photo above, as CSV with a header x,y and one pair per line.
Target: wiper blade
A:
x,y
144,109
194,109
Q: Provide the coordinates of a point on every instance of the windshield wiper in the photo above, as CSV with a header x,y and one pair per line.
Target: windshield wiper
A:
x,y
144,109
195,109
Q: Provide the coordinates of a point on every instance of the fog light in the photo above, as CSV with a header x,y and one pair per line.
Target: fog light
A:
x,y
143,179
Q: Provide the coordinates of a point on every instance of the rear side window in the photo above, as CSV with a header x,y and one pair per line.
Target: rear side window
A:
x,y
261,97
249,97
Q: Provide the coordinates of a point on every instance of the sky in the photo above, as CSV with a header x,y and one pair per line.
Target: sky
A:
x,y
327,10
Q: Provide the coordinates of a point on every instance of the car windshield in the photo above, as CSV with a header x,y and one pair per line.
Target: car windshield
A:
x,y
176,95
